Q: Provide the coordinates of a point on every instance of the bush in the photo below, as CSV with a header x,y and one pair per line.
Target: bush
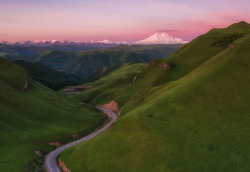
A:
x,y
228,39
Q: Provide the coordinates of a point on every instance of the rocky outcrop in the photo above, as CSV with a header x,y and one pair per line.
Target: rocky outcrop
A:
x,y
111,106
164,65
134,78
151,64
231,45
75,136
27,82
75,90
63,166
39,153
55,144
159,63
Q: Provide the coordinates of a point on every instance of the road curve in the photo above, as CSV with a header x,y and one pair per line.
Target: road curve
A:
x,y
50,161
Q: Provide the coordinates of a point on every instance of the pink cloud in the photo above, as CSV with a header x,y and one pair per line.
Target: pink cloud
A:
x,y
116,19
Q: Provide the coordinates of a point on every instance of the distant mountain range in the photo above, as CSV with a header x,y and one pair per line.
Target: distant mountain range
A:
x,y
43,43
157,38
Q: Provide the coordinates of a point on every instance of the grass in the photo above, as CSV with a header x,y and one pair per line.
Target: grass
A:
x,y
31,119
195,116
81,65
47,76
88,62
187,59
104,89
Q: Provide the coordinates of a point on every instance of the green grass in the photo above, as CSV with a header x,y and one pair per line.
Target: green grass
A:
x,y
47,76
187,59
88,61
83,64
101,73
119,86
31,119
114,83
194,118
15,75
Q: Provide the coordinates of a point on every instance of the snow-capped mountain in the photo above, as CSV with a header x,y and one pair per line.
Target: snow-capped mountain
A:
x,y
157,38
161,38
41,43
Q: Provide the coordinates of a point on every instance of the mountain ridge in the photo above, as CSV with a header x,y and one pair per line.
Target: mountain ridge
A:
x,y
157,38
196,110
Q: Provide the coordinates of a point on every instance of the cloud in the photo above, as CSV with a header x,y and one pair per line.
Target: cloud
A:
x,y
232,15
168,30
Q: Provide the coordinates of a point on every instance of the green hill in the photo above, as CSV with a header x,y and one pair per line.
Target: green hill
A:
x,y
47,76
189,112
33,116
21,51
101,73
89,62
187,59
12,51
150,51
55,59
83,64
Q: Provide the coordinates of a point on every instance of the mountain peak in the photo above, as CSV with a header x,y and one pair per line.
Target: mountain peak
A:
x,y
161,38
240,25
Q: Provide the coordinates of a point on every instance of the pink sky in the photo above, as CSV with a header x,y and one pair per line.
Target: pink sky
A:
x,y
116,20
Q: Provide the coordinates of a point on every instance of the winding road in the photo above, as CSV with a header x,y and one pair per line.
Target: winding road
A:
x,y
50,161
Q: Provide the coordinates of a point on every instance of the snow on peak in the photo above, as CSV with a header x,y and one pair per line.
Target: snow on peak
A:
x,y
106,42
157,38
161,38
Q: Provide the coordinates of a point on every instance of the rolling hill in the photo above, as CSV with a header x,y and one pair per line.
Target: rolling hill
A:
x,y
101,73
188,112
31,48
57,60
32,116
85,63
9,50
88,62
47,76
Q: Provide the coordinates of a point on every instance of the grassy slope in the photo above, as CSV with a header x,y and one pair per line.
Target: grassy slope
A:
x,y
55,59
114,83
153,51
84,63
101,73
30,120
47,76
12,50
149,51
185,60
198,120
87,62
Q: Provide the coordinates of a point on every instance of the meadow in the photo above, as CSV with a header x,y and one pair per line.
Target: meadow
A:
x,y
30,119
194,117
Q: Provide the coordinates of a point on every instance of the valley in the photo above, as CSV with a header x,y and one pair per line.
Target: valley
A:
x,y
190,107
174,107
82,64
33,116
35,119
51,158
